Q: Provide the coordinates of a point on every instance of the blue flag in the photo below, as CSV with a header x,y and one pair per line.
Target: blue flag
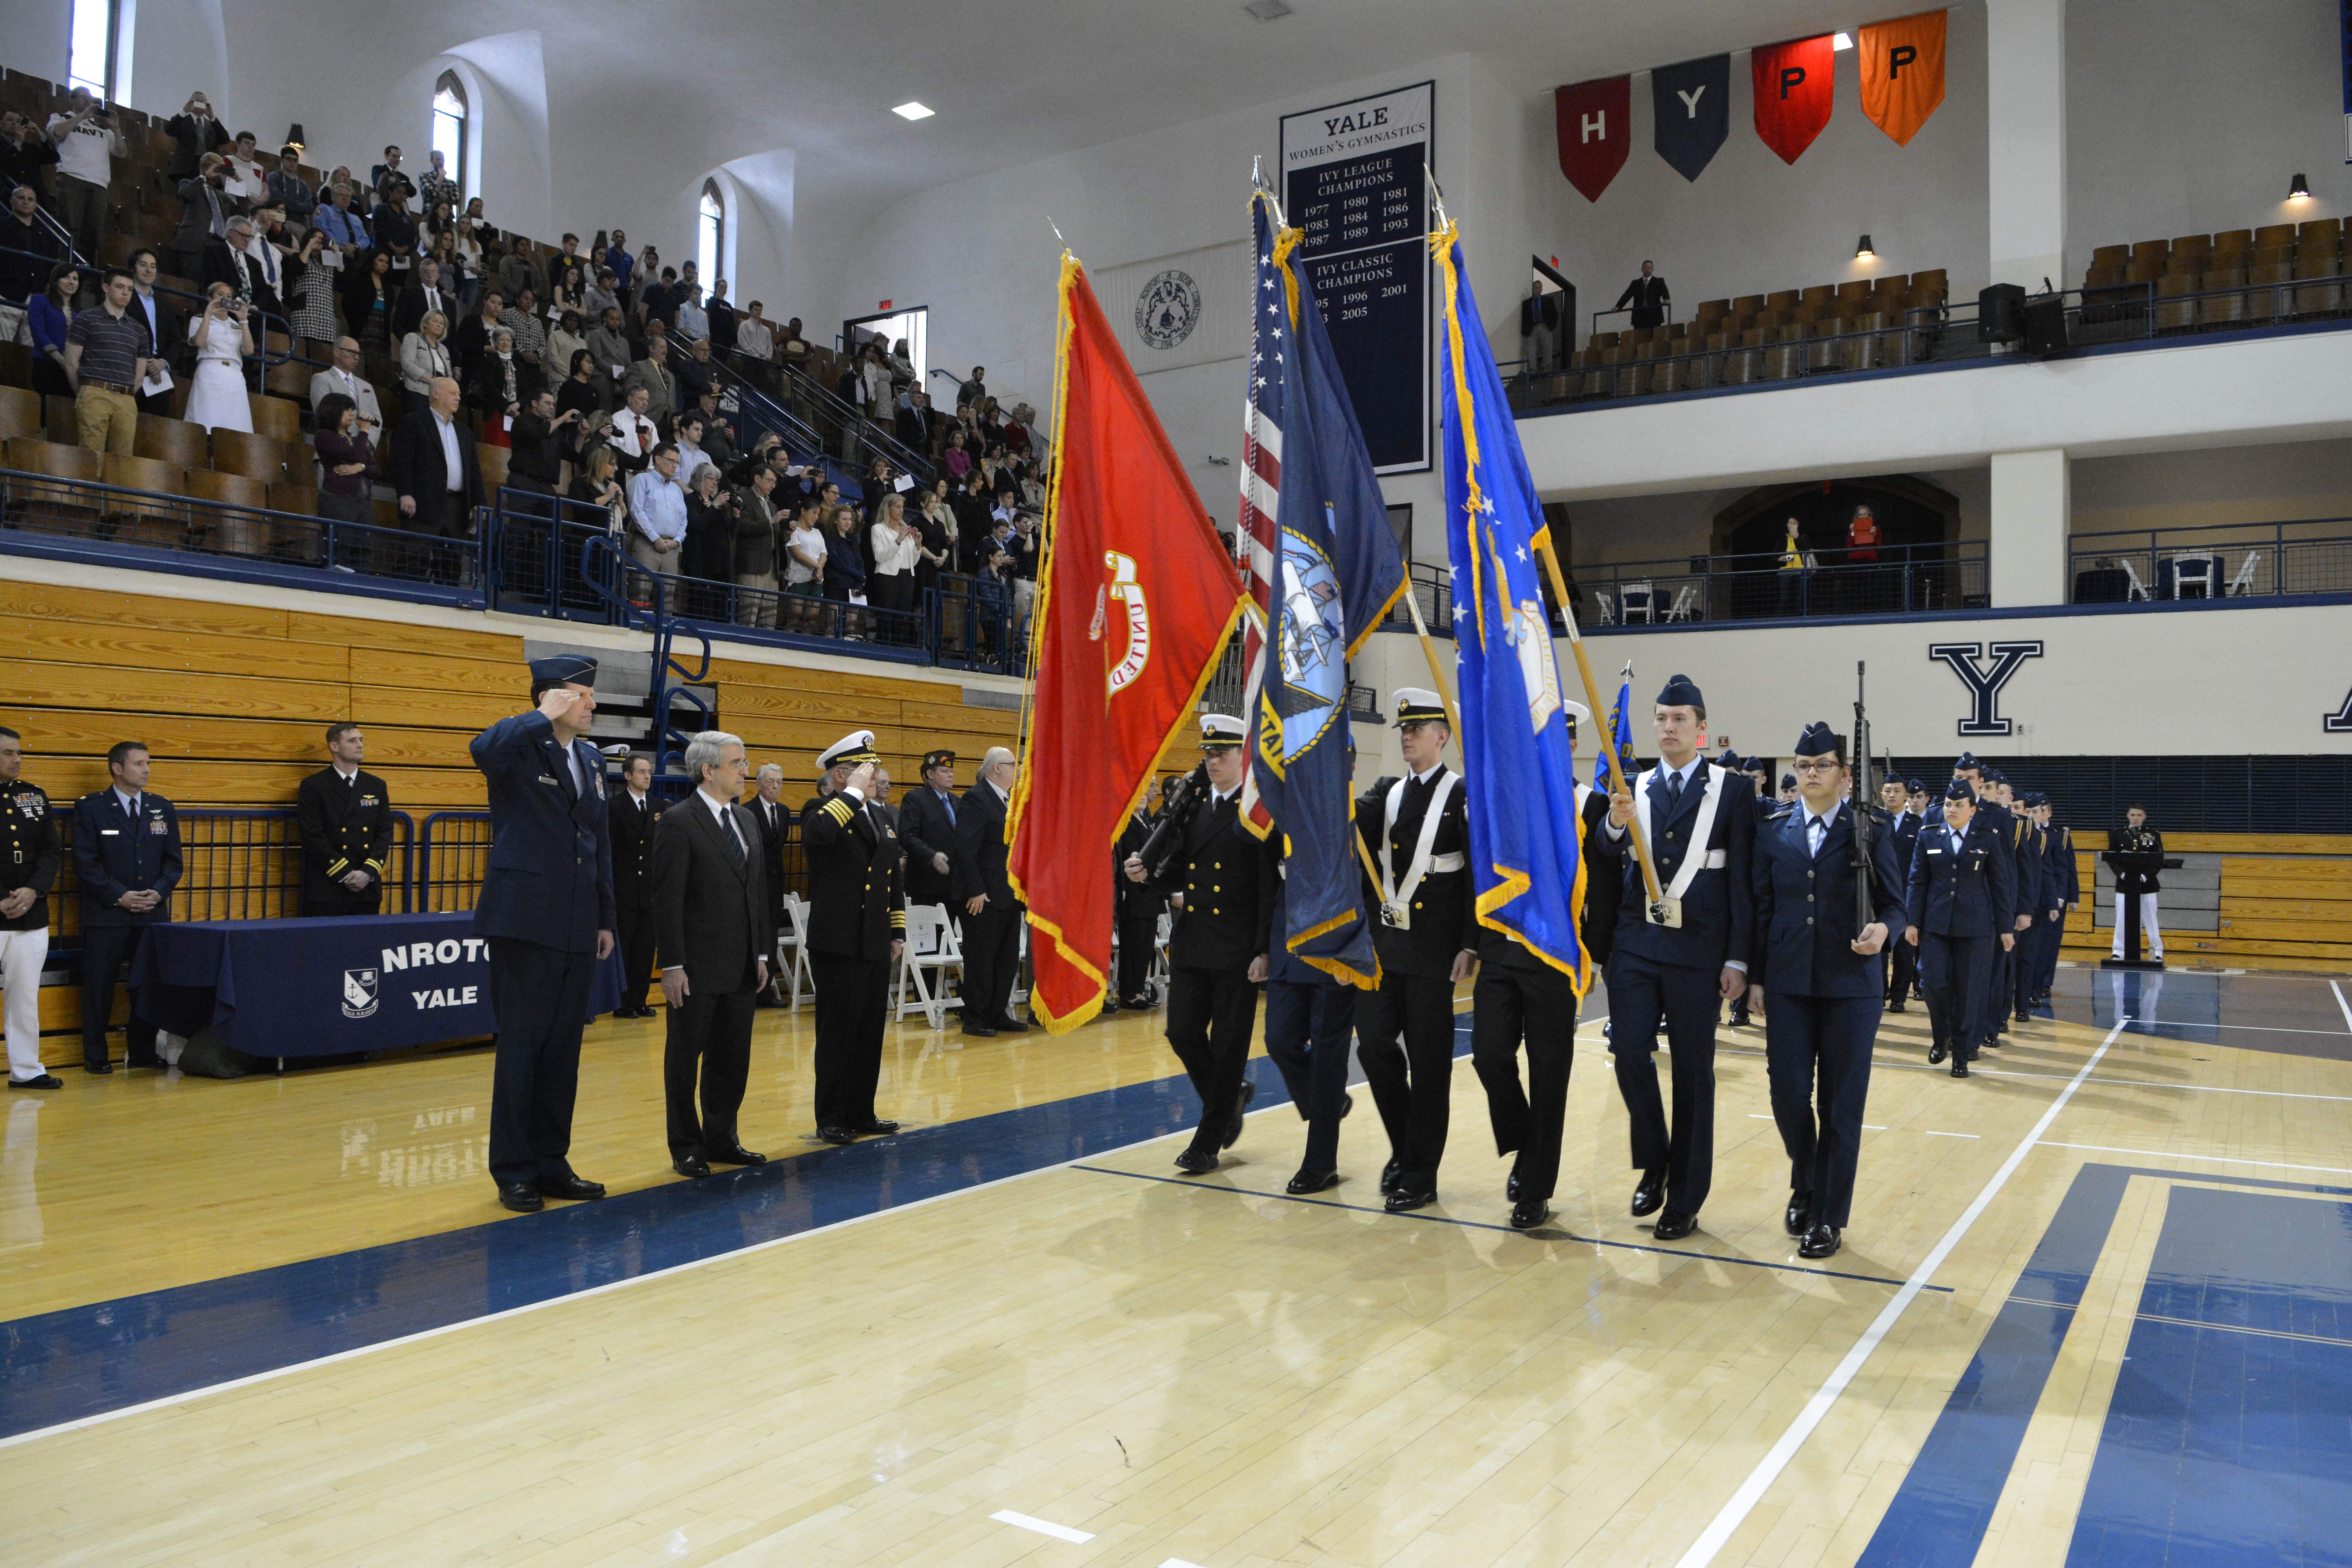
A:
x,y
1517,758
1621,736
1333,572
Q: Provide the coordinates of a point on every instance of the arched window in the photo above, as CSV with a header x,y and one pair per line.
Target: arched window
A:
x,y
711,246
449,125
91,58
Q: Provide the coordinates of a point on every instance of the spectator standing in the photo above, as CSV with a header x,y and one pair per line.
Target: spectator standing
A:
x,y
616,258
248,177
422,298
718,435
107,354
635,434
580,393
503,383
693,321
537,465
1795,564
657,511
347,462
344,228
162,322
1648,296
521,319
602,294
805,553
221,338
437,475
694,373
661,295
195,130
424,357
563,341
26,150
391,185
687,431
344,377
28,252
653,374
845,570
598,483
518,272
311,296
756,549
436,186
724,323
368,301
956,460
897,547
126,851
709,557
88,142
50,318
608,345
287,185
973,393
472,341
205,209
1022,548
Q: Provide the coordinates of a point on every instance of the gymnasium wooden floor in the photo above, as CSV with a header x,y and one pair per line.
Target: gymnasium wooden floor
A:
x,y
2095,1306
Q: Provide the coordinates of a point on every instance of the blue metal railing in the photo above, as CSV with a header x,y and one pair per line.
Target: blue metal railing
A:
x,y
2305,557
1905,579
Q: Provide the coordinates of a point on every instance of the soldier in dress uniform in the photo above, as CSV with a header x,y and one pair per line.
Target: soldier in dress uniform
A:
x,y
633,814
928,827
1139,907
345,817
1995,819
1222,883
546,908
2136,834
29,857
1522,1001
2038,881
1959,902
126,850
1700,825
1820,983
1310,1015
1417,828
2068,887
857,928
1907,798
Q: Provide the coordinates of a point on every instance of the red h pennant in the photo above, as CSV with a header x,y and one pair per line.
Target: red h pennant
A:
x,y
1795,91
1596,132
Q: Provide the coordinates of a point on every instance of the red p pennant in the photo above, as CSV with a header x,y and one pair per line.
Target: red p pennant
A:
x,y
1795,86
1596,132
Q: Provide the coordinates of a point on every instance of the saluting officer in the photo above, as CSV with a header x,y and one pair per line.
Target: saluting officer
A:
x,y
345,817
1960,901
1139,907
29,858
1906,798
1222,883
1700,825
1521,1000
126,850
857,928
546,908
1417,830
1820,984
2067,886
633,814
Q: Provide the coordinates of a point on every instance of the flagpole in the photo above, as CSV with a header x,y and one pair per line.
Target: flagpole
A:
x,y
1592,697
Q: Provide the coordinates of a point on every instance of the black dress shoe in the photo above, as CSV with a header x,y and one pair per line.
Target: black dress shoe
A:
x,y
1530,1213
1388,1177
1511,1187
521,1197
1820,1241
1936,1055
1960,1070
43,1080
1110,1007
1673,1226
572,1189
836,1134
1307,1182
2023,1016
691,1165
1894,1006
99,1067
980,1031
145,1064
733,1154
1197,1161
1010,1027
1800,1210
1241,1107
1650,1194
876,1129
1404,1200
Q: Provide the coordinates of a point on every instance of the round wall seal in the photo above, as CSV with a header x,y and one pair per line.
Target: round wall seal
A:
x,y
1168,310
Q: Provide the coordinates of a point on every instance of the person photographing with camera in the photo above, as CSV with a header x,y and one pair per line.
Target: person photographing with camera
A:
x,y
89,138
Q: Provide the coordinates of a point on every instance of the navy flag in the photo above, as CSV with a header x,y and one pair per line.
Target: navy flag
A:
x,y
1690,112
1335,574
1517,759
1621,735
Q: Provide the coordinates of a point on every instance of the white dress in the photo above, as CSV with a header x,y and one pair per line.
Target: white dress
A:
x,y
217,396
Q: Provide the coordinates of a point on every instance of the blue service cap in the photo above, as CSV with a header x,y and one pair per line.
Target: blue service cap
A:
x,y
1994,775
564,669
1819,740
1967,760
1914,786
1960,789
1678,692
1788,781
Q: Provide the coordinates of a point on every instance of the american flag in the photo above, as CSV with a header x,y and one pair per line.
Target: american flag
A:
x,y
1259,537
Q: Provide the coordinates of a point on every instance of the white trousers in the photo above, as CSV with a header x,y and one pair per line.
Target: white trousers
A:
x,y
22,952
2149,930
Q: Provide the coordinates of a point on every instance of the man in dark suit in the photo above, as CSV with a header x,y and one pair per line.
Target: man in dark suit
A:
x,y
776,823
1647,294
345,819
205,209
1699,823
1139,907
423,298
167,330
194,131
632,815
1960,901
1818,981
126,850
1903,963
1417,830
991,915
546,907
927,828
857,928
715,926
438,477
1222,880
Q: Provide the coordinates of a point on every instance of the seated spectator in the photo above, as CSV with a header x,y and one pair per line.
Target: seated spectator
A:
x,y
344,377
344,228
28,254
87,140
248,177
437,186
205,209
287,184
26,152
51,316
653,373
472,338
504,382
523,320
368,301
424,357
693,321
347,462
634,434
608,341
696,372
845,570
519,273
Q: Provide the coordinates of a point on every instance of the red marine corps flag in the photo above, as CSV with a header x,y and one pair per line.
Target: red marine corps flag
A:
x,y
1136,596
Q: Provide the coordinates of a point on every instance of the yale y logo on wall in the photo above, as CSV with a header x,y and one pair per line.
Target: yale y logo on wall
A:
x,y
1984,683
1166,309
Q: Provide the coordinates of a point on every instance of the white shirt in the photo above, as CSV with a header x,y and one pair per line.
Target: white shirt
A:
x,y
813,541
1817,828
752,337
87,151
690,458
895,553
450,460
657,506
129,802
693,323
349,775
1661,772
626,437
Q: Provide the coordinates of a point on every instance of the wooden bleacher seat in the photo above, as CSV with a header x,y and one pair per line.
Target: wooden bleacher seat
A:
x,y
276,417
1783,300
254,457
1602,340
2157,250
1934,280
2174,312
2265,300
290,379
234,531
278,342
2233,241
2273,234
114,250
1854,291
174,441
54,460
2328,231
64,423
1817,294
299,499
2191,244
16,365
2116,255
2319,283
1747,305
2225,294
494,465
20,414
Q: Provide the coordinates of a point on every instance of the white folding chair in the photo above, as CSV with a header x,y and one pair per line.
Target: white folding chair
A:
x,y
2192,572
1684,597
932,948
2243,583
1606,606
2138,590
1635,601
791,968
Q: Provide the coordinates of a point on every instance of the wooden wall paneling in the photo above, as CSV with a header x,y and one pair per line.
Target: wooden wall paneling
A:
x,y
40,683
355,631
51,602
211,653
169,737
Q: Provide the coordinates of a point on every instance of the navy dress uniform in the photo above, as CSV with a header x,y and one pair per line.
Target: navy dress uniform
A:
x,y
121,845
2142,885
1139,908
2037,895
1903,963
1822,999
632,822
346,826
30,855
927,826
856,922
547,912
1227,876
1961,899
1700,824
1309,1018
2067,874
1417,829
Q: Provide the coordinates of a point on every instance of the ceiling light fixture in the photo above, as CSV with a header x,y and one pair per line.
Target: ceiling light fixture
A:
x,y
912,112
1861,251
1841,41
1267,10
2298,189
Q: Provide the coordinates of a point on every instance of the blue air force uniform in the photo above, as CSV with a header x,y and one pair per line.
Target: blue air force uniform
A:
x,y
1903,958
121,845
546,898
1658,973
2066,891
1962,896
857,912
1822,999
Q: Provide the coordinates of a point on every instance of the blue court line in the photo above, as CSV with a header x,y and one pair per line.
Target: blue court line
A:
x,y
1939,1515
1548,1232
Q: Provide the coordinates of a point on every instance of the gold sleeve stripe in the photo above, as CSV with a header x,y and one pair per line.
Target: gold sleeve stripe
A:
x,y
335,867
898,920
376,866
838,809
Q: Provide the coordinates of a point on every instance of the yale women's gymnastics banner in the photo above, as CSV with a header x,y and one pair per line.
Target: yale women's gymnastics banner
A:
x,y
1903,73
1795,85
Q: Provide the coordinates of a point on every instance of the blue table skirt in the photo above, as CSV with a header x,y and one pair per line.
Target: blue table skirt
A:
x,y
325,987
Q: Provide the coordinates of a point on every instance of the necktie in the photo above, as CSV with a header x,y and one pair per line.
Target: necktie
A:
x,y
735,840
1674,791
949,801
1816,829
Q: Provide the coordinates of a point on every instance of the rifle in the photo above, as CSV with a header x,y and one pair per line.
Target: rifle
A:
x,y
1168,833
1864,830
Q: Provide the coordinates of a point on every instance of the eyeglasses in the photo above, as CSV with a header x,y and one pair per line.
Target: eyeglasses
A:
x,y
1814,767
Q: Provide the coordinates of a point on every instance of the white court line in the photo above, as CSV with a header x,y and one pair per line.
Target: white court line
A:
x,y
2218,1159
2256,1028
2060,1076
1042,1526
1179,1562
2341,1002
1768,1469
1933,1133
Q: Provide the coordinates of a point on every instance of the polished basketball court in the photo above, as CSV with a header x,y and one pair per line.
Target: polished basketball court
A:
x,y
2095,1305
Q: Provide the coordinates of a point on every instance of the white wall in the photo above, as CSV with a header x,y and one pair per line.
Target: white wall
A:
x,y
39,34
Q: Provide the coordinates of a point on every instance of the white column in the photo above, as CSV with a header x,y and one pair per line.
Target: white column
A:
x,y
2025,83
2031,505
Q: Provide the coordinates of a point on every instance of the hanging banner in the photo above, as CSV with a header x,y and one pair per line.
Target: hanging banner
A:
x,y
1690,107
1795,86
1903,73
1596,132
